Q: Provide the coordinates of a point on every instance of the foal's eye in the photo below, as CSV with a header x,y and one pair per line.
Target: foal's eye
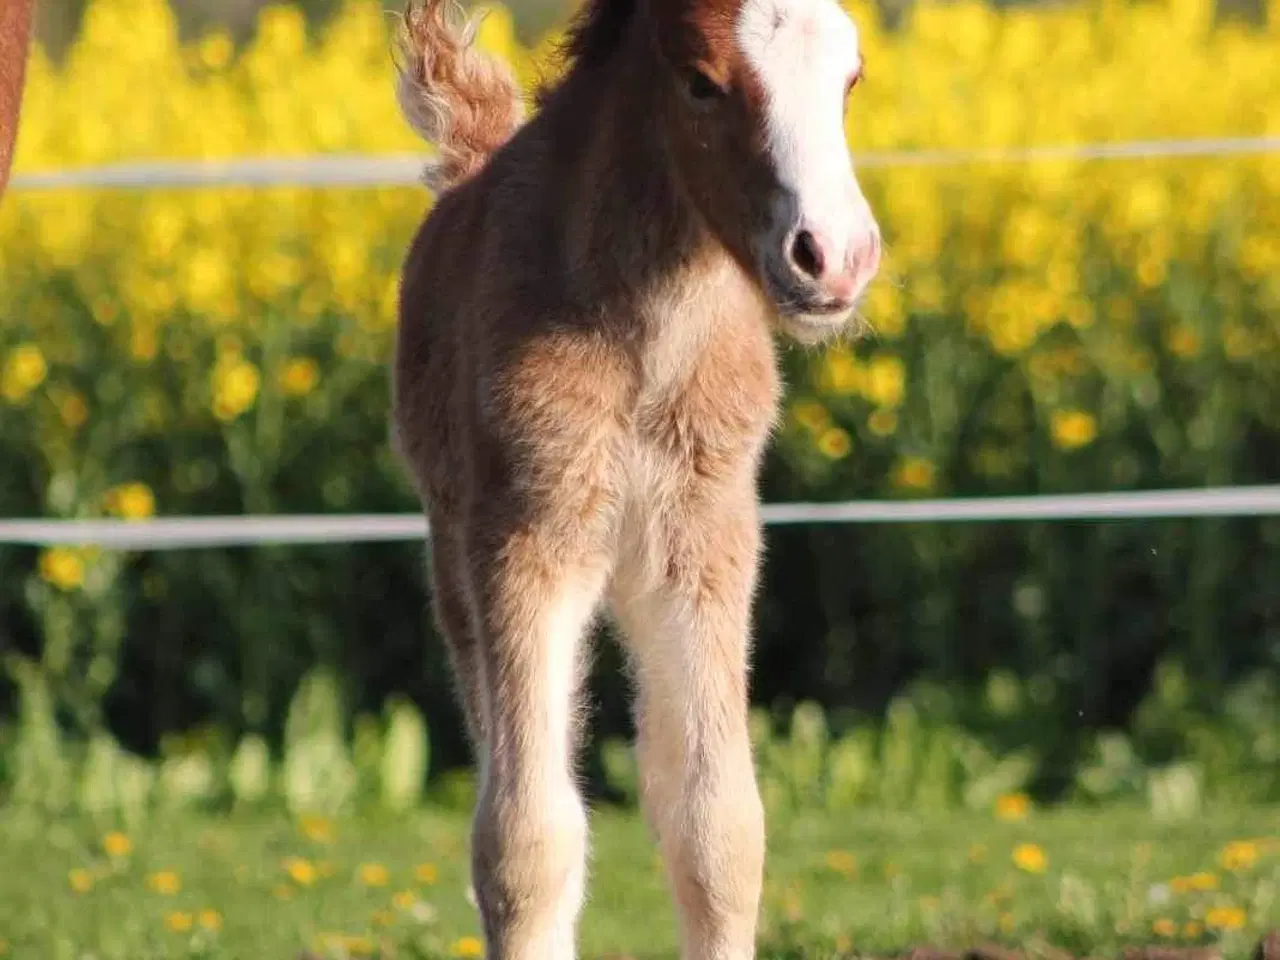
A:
x,y
703,89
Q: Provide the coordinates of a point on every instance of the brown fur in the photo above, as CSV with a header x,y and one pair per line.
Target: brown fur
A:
x,y
15,35
584,383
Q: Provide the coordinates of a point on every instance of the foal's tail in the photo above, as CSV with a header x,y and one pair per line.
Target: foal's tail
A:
x,y
463,101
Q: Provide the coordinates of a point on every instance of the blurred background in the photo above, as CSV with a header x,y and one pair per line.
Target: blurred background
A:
x,y
1043,326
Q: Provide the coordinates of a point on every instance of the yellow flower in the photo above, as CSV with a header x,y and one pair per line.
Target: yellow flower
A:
x,y
72,409
319,829
300,871
1203,881
1165,927
425,873
210,919
62,567
1072,429
811,415
1030,857
914,473
882,423
383,918
373,875
1193,929
81,880
468,947
179,921
834,443
235,388
1007,923
1012,806
842,861
886,382
24,369
1238,855
841,373
116,844
164,882
404,900
299,376
132,501
1225,918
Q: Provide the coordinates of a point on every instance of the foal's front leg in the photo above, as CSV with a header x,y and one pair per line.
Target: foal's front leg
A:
x,y
687,632
529,837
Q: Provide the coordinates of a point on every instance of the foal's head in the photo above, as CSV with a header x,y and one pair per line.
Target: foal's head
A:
x,y
755,93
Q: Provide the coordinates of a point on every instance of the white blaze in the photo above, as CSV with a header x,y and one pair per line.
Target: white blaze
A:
x,y
803,53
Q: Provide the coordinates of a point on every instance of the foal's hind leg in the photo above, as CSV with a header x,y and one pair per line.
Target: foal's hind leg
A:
x,y
451,608
688,638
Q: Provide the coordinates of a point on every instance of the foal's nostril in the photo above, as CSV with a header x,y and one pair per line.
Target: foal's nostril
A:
x,y
807,255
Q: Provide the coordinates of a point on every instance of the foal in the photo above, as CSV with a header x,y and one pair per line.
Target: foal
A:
x,y
584,382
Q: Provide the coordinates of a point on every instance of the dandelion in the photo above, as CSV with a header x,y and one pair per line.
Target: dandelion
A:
x,y
1072,429
810,415
1238,855
164,882
1164,927
886,382
1193,929
1012,806
132,501
210,919
404,900
914,473
882,423
299,376
179,921
116,844
72,409
24,369
1225,918
81,880
300,871
842,862
235,388
834,443
425,873
317,829
1030,858
468,947
373,875
62,567
1203,881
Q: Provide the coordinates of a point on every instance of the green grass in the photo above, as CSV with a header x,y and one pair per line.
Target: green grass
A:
x,y
838,884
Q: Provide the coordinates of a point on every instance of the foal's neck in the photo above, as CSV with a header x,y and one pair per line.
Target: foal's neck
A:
x,y
630,229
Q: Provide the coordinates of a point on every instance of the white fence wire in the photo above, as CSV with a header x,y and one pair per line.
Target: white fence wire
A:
x,y
170,533
174,533
344,170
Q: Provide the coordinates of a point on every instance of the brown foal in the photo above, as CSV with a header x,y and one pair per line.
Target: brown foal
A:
x,y
584,383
